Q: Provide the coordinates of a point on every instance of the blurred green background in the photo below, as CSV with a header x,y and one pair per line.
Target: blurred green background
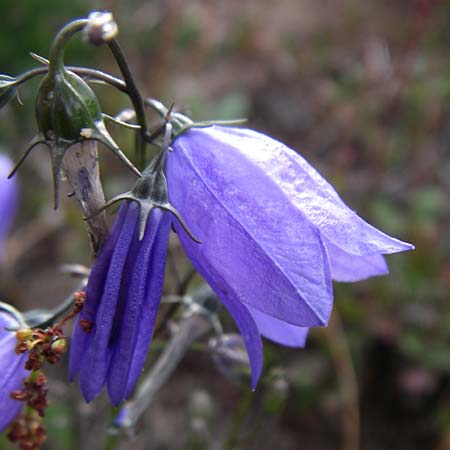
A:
x,y
362,90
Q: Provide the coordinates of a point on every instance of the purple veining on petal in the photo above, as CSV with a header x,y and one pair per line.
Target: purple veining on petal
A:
x,y
303,186
268,253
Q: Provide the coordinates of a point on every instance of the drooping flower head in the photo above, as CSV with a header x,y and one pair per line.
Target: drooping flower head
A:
x,y
122,299
13,371
8,199
124,291
274,233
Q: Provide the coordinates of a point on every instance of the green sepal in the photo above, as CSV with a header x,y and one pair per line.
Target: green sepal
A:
x,y
67,113
150,190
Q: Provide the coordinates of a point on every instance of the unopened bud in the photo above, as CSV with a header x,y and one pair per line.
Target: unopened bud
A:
x,y
24,334
101,27
60,346
230,356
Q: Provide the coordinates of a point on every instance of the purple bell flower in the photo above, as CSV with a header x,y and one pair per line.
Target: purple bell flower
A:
x,y
13,372
274,233
122,300
8,199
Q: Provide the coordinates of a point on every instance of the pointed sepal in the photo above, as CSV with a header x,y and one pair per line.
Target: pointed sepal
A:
x,y
67,113
150,190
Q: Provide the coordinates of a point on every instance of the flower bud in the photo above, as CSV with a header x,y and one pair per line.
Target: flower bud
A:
x,y
68,112
101,27
24,334
230,356
60,346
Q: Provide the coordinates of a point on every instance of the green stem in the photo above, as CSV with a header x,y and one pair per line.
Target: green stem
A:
x,y
136,100
112,439
57,48
82,72
238,420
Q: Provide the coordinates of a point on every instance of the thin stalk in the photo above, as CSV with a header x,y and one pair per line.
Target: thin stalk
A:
x,y
239,419
136,100
81,71
57,48
340,353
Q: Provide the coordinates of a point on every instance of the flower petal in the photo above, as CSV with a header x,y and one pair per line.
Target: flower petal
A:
x,y
267,252
142,304
279,331
92,375
349,268
154,287
305,188
243,319
80,339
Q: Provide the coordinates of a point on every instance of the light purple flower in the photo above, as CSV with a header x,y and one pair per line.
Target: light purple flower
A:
x,y
274,233
8,199
123,296
13,372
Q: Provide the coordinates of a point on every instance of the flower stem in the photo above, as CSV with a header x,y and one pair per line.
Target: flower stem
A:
x,y
340,353
238,420
136,100
57,48
81,71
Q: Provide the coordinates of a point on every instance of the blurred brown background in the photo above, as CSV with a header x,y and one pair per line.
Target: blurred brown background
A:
x,y
362,90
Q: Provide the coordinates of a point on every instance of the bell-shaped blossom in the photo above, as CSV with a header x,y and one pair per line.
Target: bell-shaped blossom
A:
x,y
13,372
113,332
8,199
273,232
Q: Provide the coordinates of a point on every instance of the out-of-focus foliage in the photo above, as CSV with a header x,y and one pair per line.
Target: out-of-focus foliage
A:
x,y
362,90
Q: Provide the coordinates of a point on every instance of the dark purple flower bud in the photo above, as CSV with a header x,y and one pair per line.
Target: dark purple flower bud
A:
x,y
13,372
122,299
8,199
274,233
